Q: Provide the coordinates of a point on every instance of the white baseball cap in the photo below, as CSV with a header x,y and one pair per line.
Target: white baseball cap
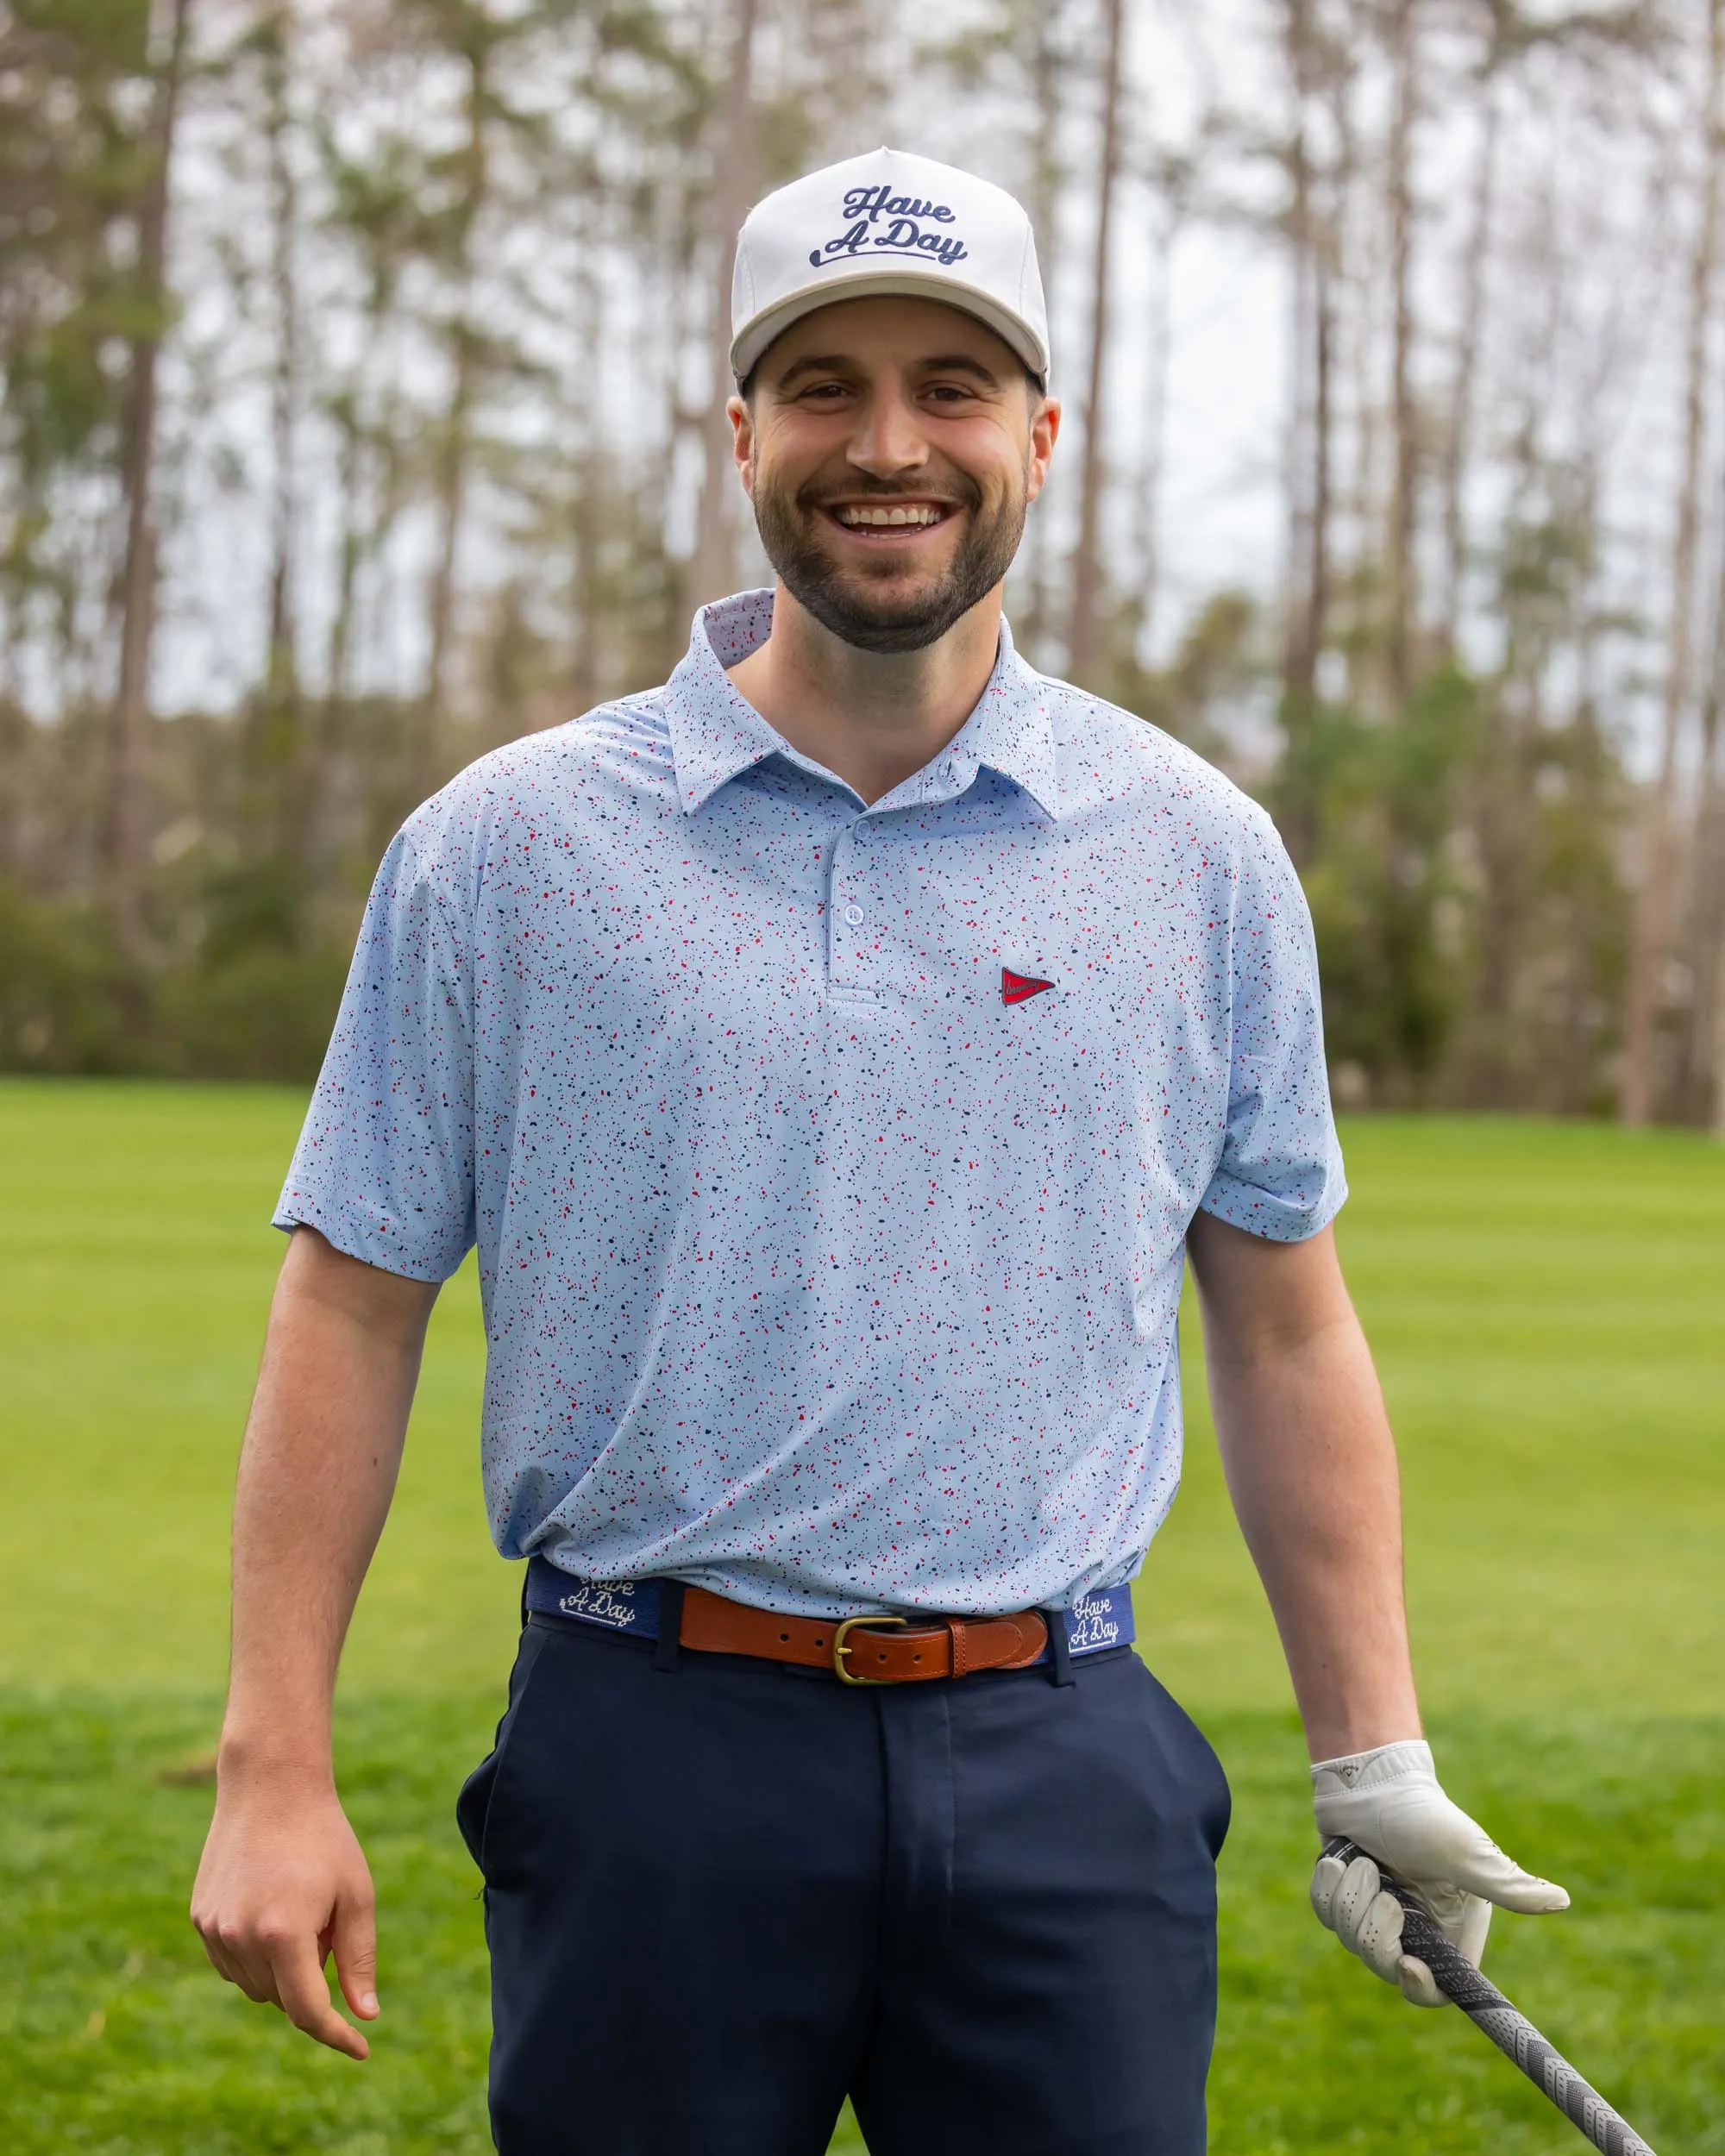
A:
x,y
888,222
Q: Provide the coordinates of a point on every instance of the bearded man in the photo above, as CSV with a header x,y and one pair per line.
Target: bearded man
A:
x,y
835,1055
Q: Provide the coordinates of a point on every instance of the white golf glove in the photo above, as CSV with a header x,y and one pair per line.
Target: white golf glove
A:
x,y
1389,1801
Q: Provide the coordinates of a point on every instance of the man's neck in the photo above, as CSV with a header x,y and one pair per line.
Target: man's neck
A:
x,y
873,717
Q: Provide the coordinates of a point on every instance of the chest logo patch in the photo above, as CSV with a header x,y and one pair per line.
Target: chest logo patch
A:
x,y
1016,987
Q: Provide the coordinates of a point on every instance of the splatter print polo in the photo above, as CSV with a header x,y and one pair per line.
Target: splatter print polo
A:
x,y
830,1164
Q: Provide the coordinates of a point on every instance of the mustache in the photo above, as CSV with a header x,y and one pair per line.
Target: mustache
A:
x,y
816,496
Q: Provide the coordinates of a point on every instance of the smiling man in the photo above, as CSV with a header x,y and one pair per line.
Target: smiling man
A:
x,y
835,1056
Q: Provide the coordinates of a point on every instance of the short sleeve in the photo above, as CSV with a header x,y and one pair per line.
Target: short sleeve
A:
x,y
384,1164
1280,1173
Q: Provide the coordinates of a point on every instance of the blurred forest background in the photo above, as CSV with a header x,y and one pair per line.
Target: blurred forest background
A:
x,y
363,408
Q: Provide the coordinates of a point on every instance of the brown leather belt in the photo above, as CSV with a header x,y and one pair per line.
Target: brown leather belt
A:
x,y
863,1650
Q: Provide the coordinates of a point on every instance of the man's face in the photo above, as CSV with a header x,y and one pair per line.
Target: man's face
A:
x,y
890,451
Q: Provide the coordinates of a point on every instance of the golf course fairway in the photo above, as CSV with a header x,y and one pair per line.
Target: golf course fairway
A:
x,y
1548,1306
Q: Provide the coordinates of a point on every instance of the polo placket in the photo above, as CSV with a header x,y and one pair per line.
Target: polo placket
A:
x,y
852,938
858,940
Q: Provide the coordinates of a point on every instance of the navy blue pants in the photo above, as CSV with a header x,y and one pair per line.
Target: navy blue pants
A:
x,y
722,1895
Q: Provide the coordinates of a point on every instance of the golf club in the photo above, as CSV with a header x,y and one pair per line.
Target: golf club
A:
x,y
1514,2035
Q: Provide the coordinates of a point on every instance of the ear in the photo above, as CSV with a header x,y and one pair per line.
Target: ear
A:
x,y
1045,429
743,441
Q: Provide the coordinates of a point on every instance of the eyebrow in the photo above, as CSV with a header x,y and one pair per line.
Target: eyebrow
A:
x,y
833,363
839,363
961,363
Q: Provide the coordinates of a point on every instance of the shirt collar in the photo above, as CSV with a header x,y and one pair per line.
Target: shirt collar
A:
x,y
716,733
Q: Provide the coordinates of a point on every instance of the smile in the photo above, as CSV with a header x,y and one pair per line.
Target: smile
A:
x,y
892,518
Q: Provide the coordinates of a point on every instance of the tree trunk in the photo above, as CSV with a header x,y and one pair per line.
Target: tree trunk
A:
x,y
284,772
128,757
712,567
587,506
1718,1116
1706,1079
1086,641
1653,897
14,787
1706,1045
1399,554
1047,86
340,647
1458,436
281,668
1309,454
1147,549
367,489
453,446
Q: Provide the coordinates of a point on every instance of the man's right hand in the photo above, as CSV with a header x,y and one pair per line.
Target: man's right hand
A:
x,y
282,1885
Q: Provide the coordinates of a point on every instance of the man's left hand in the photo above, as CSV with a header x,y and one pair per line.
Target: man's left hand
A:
x,y
1390,1803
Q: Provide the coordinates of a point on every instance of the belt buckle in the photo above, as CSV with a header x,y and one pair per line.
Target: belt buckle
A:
x,y
840,1650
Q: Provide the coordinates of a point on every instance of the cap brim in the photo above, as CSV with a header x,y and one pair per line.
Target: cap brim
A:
x,y
757,334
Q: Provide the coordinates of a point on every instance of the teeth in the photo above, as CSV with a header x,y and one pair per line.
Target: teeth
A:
x,y
919,513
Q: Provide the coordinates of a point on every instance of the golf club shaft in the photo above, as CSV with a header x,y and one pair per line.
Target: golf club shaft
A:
x,y
1514,2035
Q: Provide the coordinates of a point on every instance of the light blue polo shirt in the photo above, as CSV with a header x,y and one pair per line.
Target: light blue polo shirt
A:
x,y
830,1164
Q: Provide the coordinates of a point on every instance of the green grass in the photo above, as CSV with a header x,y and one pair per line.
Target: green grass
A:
x,y
1545,1303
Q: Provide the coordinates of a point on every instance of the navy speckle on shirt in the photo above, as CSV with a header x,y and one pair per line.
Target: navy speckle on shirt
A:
x,y
814,1271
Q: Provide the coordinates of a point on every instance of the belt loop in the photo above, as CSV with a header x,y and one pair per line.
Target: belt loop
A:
x,y
1059,1648
525,1570
667,1648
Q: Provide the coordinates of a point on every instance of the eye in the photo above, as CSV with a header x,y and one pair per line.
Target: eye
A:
x,y
948,393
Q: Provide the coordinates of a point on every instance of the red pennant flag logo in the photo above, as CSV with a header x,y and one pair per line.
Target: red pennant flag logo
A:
x,y
1015,987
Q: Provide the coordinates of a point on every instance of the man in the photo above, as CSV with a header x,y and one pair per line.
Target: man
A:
x,y
835,1056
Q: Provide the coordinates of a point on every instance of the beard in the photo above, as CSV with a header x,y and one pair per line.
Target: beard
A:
x,y
894,614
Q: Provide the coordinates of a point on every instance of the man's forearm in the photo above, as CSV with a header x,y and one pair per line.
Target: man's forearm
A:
x,y
282,1882
1311,1467
316,1473
1310,1460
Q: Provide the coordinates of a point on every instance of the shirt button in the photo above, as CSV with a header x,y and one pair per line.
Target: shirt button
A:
x,y
853,914
950,773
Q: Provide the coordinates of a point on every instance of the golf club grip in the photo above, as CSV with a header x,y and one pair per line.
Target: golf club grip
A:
x,y
1514,2035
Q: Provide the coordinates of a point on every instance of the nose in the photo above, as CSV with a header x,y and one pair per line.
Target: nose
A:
x,y
888,439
